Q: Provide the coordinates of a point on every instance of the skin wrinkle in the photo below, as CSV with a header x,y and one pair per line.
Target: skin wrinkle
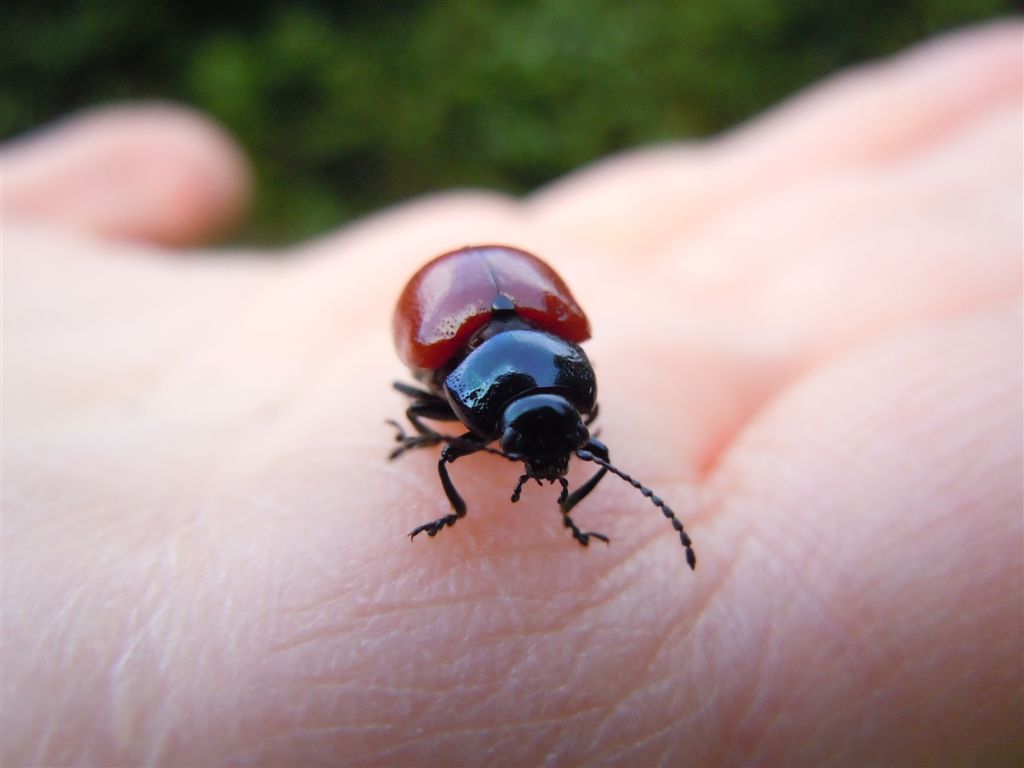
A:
x,y
43,647
753,705
578,711
515,725
748,695
519,606
356,708
778,700
397,748
332,632
42,751
158,725
650,657
805,687
914,721
637,747
360,621
743,720
620,564
136,635
698,611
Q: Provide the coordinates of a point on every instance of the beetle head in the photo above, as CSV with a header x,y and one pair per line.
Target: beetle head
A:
x,y
542,430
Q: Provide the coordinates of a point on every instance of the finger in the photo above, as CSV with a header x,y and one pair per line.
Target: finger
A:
x,y
830,263
874,112
878,509
628,207
154,173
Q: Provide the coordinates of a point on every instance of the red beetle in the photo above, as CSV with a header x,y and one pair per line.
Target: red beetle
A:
x,y
493,334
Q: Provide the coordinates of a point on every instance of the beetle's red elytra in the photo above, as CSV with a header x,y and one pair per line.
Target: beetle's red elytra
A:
x,y
492,333
453,296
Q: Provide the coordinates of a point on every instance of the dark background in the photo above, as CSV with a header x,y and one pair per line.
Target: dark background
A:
x,y
346,107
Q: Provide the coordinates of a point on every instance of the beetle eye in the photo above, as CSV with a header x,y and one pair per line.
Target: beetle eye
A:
x,y
582,435
510,442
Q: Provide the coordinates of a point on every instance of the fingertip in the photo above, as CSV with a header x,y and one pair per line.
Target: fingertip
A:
x,y
158,173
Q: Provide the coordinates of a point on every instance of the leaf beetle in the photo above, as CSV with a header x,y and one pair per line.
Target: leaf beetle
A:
x,y
493,334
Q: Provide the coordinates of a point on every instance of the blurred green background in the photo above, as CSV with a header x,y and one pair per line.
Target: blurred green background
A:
x,y
345,107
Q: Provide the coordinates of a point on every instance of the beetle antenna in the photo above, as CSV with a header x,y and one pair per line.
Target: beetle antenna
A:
x,y
691,558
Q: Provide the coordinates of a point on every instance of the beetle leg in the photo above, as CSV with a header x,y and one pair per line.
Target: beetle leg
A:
x,y
425,438
583,537
574,498
564,494
467,444
600,450
414,392
425,406
519,488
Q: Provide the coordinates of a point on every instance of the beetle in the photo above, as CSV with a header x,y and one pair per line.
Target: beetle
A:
x,y
492,333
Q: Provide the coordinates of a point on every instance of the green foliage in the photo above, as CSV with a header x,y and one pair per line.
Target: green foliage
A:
x,y
345,108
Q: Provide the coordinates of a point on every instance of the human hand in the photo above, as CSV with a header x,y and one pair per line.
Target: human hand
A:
x,y
817,317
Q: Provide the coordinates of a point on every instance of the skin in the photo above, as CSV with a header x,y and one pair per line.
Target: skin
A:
x,y
807,340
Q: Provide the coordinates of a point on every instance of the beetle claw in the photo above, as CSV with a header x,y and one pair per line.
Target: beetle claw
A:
x,y
408,442
434,526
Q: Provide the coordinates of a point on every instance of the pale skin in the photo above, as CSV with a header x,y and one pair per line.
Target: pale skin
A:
x,y
807,336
